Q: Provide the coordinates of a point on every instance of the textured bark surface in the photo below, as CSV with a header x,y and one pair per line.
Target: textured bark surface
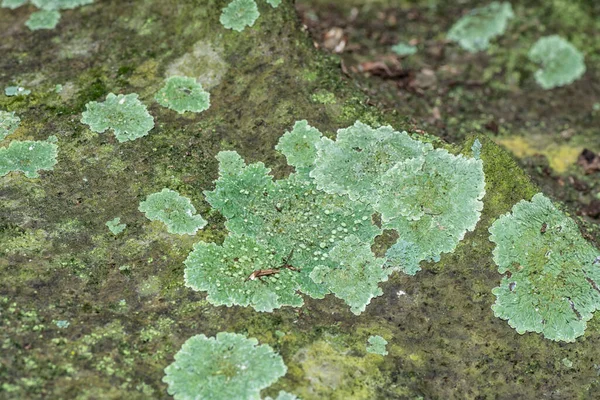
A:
x,y
123,296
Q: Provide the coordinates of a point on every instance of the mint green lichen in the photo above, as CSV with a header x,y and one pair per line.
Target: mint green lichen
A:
x,y
174,210
298,146
16,91
404,49
377,345
125,115
43,19
230,366
409,183
476,149
474,31
28,156
12,4
239,14
562,63
551,273
274,3
115,226
224,271
9,122
60,4
356,276
183,94
62,324
354,163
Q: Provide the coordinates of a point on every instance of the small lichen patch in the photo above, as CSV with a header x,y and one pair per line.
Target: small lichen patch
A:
x,y
298,146
12,4
239,14
16,91
284,396
474,31
551,273
204,62
377,345
183,94
404,49
125,115
60,4
230,366
561,62
274,3
9,122
43,19
28,156
174,210
115,226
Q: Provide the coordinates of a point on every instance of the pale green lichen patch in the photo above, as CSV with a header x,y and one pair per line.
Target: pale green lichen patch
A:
x,y
476,149
298,146
9,122
551,273
16,91
284,396
274,3
183,94
12,4
404,49
28,156
125,115
230,366
377,345
239,14
60,4
174,210
43,19
474,31
115,226
354,163
356,276
561,62
430,197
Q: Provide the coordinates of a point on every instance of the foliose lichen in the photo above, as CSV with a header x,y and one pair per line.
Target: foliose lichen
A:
x,y
474,31
230,366
404,49
409,183
312,232
12,4
174,210
60,4
28,156
16,91
562,63
239,14
9,122
43,19
377,345
274,3
551,273
125,115
115,226
183,94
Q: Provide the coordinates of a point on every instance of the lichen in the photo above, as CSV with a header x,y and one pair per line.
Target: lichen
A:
x,y
474,31
551,273
125,115
115,226
274,3
9,122
562,63
284,396
12,4
404,49
28,156
239,14
16,91
174,210
43,19
377,345
298,146
183,94
230,366
60,4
